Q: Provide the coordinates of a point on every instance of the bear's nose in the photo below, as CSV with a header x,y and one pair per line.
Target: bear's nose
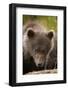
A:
x,y
39,65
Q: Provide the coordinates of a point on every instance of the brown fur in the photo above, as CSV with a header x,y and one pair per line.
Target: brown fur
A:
x,y
37,45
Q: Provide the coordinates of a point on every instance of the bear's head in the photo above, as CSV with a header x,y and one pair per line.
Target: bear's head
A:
x,y
39,46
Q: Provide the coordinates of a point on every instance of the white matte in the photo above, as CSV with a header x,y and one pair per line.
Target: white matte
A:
x,y
19,61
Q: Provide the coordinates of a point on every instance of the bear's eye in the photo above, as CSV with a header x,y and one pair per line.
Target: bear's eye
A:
x,y
35,50
38,50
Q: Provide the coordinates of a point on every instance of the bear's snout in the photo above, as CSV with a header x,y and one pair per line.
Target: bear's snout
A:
x,y
39,60
39,65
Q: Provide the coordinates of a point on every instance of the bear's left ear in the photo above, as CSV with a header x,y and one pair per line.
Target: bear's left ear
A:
x,y
50,35
31,33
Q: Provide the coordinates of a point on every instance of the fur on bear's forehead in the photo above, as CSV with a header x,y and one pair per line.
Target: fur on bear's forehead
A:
x,y
34,25
42,36
41,39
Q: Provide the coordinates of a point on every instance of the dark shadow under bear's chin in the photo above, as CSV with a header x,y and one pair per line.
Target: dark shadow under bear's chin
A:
x,y
29,66
39,68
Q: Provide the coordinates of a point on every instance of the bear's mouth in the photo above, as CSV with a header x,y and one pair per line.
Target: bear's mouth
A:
x,y
40,68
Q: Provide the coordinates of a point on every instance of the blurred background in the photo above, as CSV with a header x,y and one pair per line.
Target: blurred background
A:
x,y
49,22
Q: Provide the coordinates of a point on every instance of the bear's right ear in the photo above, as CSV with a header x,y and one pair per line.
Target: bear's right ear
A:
x,y
30,33
50,35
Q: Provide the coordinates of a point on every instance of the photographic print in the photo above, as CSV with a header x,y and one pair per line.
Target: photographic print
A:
x,y
37,44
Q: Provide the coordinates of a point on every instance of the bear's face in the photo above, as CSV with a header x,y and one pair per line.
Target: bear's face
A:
x,y
40,44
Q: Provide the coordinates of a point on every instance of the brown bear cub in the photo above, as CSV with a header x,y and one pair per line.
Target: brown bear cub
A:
x,y
39,49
